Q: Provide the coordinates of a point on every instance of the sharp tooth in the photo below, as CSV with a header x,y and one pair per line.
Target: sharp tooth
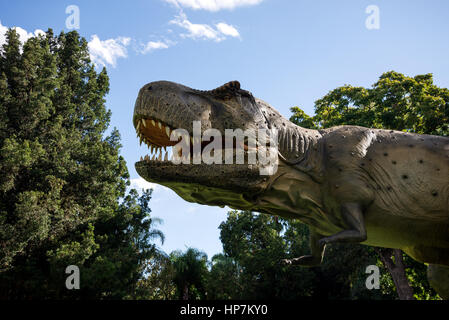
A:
x,y
140,140
154,157
167,131
166,156
159,124
144,123
141,159
160,156
153,123
147,158
138,125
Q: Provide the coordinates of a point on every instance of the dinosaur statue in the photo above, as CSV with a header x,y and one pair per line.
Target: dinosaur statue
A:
x,y
381,188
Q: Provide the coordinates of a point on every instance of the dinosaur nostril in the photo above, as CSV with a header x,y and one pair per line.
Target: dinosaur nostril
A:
x,y
150,88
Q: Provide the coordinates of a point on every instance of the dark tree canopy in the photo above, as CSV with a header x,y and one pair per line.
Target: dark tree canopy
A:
x,y
63,181
396,101
254,244
190,272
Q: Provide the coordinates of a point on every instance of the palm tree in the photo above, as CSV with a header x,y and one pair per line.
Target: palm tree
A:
x,y
190,273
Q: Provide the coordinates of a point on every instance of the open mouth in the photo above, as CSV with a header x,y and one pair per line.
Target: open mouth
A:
x,y
160,140
156,135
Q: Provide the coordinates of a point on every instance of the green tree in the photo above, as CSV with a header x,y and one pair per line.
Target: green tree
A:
x,y
190,274
256,243
398,102
157,283
62,180
224,278
342,272
253,241
125,244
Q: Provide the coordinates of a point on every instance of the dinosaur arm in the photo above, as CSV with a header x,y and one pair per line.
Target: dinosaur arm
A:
x,y
352,214
316,256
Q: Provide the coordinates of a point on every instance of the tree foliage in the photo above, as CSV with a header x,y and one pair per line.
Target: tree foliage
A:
x,y
254,245
157,282
190,273
395,102
223,280
62,187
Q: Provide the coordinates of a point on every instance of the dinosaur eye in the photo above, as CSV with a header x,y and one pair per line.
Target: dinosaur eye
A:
x,y
233,84
227,88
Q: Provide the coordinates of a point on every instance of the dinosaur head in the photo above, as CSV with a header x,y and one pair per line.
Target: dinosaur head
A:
x,y
163,108
205,123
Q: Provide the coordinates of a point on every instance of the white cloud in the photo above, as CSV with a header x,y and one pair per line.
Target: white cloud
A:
x,y
23,34
213,5
191,209
155,45
104,52
227,30
3,30
141,183
204,31
196,31
101,52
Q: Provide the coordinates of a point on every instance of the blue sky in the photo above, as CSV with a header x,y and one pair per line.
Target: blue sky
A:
x,y
287,52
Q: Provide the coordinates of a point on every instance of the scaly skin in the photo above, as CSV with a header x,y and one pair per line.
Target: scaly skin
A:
x,y
349,184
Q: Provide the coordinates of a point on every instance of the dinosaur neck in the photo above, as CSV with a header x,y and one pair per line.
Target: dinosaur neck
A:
x,y
295,142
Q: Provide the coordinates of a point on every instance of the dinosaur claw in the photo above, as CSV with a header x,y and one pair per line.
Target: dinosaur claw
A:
x,y
286,262
323,242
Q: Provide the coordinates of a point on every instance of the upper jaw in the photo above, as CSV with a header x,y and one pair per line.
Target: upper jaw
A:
x,y
171,104
160,110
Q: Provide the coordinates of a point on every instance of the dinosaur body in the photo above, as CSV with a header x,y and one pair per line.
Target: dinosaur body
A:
x,y
349,184
400,181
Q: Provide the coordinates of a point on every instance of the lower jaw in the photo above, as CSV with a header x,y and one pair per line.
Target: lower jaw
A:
x,y
215,185
241,177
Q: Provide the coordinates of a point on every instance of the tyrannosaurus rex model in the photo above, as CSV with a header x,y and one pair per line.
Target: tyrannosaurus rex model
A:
x,y
377,187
